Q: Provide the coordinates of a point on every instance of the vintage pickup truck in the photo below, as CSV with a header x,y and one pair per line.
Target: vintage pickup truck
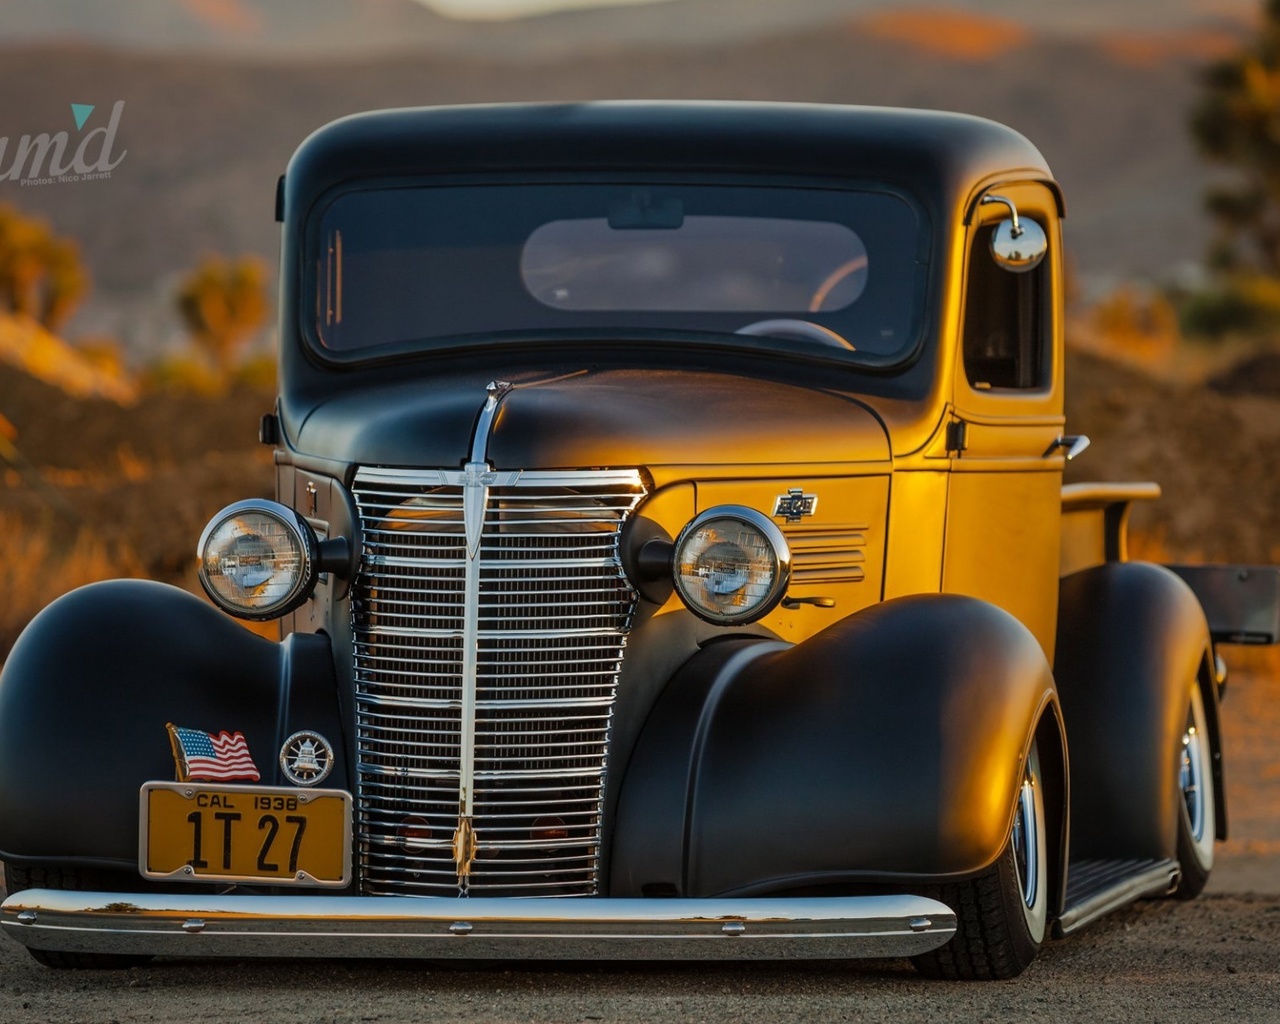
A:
x,y
672,561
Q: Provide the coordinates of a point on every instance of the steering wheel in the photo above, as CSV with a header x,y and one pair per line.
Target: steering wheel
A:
x,y
804,330
857,265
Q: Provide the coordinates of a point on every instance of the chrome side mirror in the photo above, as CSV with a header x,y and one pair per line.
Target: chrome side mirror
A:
x,y
1016,245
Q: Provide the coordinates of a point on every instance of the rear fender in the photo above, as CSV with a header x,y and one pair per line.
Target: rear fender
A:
x,y
1132,638
89,687
889,747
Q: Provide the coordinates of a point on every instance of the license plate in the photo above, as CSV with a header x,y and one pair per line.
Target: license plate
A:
x,y
195,832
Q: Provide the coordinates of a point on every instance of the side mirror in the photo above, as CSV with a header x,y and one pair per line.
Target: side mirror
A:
x,y
1016,245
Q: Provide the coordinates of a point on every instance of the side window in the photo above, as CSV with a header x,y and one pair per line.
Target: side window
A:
x,y
1004,321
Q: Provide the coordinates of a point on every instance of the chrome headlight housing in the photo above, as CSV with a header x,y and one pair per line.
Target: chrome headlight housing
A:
x,y
731,565
258,559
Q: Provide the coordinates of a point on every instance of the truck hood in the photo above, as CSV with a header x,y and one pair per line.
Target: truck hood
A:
x,y
599,418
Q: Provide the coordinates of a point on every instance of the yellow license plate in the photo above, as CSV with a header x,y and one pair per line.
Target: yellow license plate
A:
x,y
194,831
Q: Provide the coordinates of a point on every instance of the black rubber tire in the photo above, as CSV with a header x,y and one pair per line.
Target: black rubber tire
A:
x,y
1196,858
992,941
994,937
18,877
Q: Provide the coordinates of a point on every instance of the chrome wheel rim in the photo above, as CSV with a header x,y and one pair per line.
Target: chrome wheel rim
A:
x,y
1195,782
1026,842
1030,850
1191,779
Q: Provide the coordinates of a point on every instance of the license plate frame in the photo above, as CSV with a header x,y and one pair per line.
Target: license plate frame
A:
x,y
220,847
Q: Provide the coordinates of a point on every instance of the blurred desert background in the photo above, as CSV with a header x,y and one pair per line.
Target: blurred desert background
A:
x,y
137,312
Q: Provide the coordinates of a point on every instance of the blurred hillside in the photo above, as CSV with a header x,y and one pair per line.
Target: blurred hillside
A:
x,y
311,28
207,134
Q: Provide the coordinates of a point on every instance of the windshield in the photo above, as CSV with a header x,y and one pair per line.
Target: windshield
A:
x,y
416,266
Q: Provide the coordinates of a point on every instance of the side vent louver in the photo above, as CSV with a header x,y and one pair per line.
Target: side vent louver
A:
x,y
827,554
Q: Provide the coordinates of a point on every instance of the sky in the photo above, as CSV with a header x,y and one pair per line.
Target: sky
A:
x,y
512,8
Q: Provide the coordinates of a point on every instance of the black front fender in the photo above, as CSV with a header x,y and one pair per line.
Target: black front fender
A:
x,y
888,747
89,687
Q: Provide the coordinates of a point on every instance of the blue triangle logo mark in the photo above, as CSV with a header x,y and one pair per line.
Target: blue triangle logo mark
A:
x,y
81,112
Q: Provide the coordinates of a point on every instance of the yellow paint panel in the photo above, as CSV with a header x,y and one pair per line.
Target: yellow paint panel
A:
x,y
1010,439
1003,545
1084,540
917,524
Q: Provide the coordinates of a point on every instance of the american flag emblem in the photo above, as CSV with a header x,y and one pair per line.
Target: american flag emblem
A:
x,y
204,756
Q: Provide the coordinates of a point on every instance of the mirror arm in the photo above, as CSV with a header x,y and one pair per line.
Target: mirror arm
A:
x,y
1013,210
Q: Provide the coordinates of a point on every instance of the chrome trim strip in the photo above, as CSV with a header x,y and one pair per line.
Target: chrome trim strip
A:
x,y
549,477
514,634
497,390
583,928
475,496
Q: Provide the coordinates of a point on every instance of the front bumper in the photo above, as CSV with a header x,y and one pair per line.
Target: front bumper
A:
x,y
583,928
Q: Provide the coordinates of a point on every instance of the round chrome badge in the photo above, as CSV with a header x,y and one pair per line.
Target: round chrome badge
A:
x,y
307,758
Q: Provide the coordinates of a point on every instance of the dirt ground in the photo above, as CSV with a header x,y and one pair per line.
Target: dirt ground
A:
x,y
1211,452
1249,861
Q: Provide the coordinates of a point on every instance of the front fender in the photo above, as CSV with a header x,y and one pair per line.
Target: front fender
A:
x,y
888,747
91,683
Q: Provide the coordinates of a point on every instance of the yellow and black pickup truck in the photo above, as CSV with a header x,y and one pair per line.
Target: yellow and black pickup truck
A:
x,y
672,560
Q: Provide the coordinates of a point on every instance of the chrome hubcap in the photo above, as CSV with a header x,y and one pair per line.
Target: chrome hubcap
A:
x,y
1191,777
1026,843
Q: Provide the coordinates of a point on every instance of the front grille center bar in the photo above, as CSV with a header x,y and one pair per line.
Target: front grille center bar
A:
x,y
475,479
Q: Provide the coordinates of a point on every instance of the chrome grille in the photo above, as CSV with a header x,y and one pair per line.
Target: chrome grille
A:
x,y
550,618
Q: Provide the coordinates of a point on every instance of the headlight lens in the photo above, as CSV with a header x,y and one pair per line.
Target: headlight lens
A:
x,y
257,559
731,565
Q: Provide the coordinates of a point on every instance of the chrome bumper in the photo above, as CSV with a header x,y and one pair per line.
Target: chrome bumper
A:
x,y
583,928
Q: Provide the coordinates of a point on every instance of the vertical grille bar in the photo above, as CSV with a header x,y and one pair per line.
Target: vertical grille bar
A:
x,y
552,610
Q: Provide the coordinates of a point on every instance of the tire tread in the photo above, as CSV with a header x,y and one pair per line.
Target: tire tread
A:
x,y
989,944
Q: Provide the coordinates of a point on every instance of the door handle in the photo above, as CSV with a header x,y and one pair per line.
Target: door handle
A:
x,y
1071,445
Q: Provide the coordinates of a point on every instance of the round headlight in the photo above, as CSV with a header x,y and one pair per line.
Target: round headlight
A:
x,y
257,559
731,565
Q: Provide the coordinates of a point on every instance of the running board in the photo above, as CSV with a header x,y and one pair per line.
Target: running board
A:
x,y
1097,887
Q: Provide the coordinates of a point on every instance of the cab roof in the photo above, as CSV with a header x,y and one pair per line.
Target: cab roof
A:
x,y
940,157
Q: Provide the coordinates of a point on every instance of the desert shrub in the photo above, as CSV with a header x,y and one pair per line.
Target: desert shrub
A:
x,y
104,353
1238,304
36,567
257,372
185,373
41,274
223,303
1137,324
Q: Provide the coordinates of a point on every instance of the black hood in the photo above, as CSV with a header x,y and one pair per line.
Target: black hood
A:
x,y
602,418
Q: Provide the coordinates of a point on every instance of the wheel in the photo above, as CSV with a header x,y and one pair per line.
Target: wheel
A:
x,y
17,878
1197,809
1001,916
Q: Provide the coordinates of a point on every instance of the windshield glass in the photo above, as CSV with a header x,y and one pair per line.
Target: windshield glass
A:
x,y
397,266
